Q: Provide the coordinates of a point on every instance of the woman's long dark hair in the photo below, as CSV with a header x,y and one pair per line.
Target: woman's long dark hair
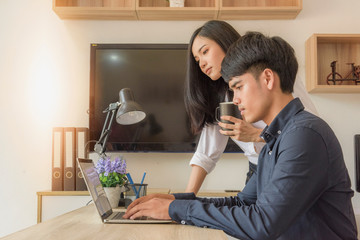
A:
x,y
202,95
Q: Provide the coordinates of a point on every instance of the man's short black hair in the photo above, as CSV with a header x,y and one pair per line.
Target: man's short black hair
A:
x,y
254,52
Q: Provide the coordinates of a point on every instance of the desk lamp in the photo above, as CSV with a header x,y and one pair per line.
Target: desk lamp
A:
x,y
128,112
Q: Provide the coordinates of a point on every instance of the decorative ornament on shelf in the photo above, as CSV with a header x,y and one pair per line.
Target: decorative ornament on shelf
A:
x,y
112,175
176,3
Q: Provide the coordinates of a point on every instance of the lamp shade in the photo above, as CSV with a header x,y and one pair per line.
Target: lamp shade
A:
x,y
129,111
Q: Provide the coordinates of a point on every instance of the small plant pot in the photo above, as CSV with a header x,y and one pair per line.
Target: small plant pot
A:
x,y
113,195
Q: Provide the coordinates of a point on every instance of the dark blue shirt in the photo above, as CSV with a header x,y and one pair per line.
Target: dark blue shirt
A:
x,y
300,191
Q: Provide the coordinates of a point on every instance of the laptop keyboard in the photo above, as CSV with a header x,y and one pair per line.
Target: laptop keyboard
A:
x,y
118,215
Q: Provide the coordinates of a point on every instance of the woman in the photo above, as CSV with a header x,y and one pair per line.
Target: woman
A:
x,y
205,89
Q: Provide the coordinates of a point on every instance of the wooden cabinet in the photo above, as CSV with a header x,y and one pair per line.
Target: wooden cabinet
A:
x,y
193,9
95,9
321,51
259,9
54,203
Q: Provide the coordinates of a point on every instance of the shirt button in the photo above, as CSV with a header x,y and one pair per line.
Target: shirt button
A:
x,y
279,132
183,222
270,152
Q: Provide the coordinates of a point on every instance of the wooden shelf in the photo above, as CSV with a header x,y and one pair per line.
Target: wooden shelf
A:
x,y
193,9
321,50
259,9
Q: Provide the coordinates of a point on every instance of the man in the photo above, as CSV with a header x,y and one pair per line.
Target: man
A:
x,y
302,188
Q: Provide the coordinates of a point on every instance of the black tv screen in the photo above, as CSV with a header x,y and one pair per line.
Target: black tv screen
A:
x,y
155,73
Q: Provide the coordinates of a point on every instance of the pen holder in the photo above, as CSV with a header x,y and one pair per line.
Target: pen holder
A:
x,y
134,191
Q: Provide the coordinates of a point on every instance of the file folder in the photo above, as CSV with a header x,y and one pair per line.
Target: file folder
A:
x,y
69,159
57,159
82,139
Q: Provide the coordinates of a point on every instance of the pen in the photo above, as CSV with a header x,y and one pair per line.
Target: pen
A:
x,y
132,184
142,181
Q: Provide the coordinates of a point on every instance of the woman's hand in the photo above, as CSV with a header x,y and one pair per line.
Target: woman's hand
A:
x,y
240,130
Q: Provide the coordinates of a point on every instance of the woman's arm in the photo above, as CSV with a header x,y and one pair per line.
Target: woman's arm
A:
x,y
196,179
209,149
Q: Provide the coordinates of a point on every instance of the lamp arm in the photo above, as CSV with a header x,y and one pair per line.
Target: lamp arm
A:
x,y
108,131
100,145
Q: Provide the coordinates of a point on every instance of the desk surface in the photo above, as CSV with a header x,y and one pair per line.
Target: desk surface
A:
x,y
85,223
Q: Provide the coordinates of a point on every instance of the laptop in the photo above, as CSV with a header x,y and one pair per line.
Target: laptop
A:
x,y
91,178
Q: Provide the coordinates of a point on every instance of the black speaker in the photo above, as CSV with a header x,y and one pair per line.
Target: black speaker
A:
x,y
357,161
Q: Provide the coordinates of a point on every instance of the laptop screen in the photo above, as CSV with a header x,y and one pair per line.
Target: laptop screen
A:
x,y
95,188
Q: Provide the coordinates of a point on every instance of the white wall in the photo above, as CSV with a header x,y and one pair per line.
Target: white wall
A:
x,y
44,77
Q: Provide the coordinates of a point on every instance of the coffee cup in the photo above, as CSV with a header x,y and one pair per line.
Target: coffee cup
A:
x,y
227,109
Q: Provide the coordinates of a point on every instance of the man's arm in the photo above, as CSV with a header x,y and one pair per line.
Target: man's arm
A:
x,y
296,181
157,205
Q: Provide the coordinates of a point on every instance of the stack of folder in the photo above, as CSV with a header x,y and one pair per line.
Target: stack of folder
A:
x,y
68,143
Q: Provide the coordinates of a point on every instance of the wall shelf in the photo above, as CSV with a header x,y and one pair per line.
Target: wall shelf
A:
x,y
193,9
259,9
321,50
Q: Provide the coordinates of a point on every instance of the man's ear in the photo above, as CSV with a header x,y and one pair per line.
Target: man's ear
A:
x,y
269,78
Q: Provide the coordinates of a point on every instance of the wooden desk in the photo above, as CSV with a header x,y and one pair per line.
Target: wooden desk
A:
x,y
85,224
209,193
77,193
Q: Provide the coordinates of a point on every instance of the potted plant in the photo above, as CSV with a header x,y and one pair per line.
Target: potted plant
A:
x,y
176,3
112,175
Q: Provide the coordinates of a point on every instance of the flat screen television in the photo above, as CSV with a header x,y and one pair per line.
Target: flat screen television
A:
x,y
155,73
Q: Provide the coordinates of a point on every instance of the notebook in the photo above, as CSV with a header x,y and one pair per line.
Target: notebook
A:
x,y
91,178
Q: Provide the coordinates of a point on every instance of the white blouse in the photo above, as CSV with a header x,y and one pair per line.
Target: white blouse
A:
x,y
212,143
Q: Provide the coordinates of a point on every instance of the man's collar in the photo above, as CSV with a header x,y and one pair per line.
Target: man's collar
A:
x,y
279,122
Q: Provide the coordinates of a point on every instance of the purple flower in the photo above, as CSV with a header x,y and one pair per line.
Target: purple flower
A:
x,y
110,172
119,166
107,166
100,166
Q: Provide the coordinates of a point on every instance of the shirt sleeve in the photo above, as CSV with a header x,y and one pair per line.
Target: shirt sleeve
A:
x,y
212,144
294,184
210,147
251,149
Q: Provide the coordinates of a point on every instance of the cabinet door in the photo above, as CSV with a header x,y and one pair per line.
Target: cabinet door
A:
x,y
259,9
53,206
95,9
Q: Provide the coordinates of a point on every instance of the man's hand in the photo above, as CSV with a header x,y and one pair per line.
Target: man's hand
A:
x,y
154,205
240,130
